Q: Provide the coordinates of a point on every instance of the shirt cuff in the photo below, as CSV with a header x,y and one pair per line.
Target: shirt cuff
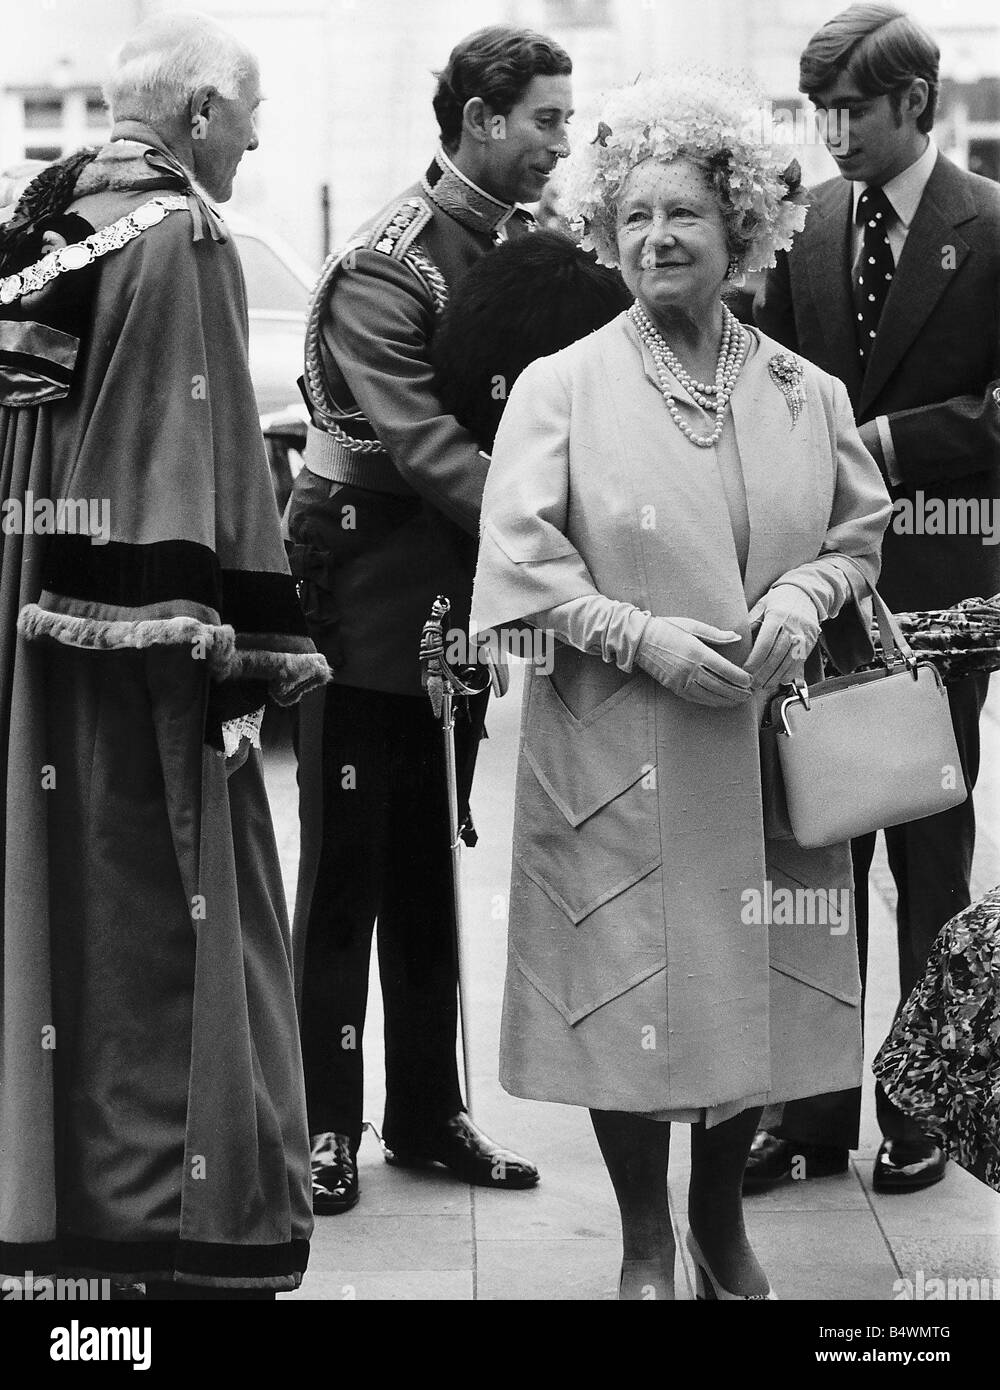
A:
x,y
888,451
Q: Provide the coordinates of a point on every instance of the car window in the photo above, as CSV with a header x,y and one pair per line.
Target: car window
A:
x,y
271,286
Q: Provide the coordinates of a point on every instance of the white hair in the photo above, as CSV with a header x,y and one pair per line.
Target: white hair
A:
x,y
168,58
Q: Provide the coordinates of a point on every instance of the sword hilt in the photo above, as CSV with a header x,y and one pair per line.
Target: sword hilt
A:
x,y
438,674
432,662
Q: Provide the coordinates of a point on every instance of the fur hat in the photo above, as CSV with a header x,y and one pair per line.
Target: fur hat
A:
x,y
529,298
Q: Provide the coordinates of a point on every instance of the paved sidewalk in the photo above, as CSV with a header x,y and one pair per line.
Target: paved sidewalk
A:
x,y
426,1236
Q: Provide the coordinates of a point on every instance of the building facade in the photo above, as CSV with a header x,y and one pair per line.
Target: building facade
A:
x,y
347,119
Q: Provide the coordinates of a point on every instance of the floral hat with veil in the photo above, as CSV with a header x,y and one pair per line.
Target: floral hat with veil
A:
x,y
718,119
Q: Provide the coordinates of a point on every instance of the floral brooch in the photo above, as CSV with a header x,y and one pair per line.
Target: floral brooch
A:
x,y
786,373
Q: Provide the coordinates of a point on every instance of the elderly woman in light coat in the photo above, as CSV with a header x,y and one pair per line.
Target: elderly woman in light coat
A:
x,y
675,498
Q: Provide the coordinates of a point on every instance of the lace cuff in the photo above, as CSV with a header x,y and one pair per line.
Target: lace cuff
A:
x,y
244,727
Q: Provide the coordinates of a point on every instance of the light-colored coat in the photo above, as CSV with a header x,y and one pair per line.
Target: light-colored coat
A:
x,y
635,979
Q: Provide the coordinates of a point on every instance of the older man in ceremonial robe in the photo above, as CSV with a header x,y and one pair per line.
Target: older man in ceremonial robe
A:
x,y
152,1121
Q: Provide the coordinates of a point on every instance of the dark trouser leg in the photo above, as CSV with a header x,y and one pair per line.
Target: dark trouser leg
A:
x,y
357,791
931,861
417,960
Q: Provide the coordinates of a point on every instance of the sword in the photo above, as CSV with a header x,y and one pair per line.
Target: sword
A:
x,y
444,683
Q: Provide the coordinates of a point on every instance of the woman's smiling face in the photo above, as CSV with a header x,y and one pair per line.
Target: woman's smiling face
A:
x,y
672,243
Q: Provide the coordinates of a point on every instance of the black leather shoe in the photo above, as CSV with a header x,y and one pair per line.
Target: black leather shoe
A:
x,y
904,1165
469,1154
772,1160
334,1174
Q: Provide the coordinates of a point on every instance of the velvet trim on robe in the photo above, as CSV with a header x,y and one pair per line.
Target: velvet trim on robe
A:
x,y
160,429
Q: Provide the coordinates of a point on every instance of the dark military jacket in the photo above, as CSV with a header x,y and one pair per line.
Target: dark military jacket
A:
x,y
385,515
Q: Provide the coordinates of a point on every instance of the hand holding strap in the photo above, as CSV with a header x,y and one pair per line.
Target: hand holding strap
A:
x,y
894,644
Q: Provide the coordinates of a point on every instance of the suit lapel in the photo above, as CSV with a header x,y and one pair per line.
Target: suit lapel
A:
x,y
932,253
829,269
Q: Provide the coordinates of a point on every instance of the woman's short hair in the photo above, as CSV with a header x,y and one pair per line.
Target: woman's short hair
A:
x,y
168,58
717,120
529,298
496,64
881,47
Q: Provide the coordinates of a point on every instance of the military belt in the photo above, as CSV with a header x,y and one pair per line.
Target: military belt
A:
x,y
328,458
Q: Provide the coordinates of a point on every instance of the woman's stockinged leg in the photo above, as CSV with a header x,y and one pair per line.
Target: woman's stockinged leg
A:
x,y
635,1151
715,1201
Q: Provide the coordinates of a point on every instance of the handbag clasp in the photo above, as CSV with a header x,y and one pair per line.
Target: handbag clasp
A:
x,y
800,692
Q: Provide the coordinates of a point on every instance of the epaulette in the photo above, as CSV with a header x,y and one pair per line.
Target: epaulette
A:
x,y
393,235
396,230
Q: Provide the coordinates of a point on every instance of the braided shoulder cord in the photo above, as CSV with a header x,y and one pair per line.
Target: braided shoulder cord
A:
x,y
326,408
426,271
315,384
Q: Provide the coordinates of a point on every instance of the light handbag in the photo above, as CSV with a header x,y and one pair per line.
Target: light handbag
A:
x,y
860,752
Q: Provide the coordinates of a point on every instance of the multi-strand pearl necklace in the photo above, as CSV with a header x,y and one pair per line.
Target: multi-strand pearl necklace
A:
x,y
713,398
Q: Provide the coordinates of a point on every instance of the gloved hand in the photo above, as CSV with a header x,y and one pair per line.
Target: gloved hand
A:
x,y
675,652
788,631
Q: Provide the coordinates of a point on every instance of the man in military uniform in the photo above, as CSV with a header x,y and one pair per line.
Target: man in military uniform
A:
x,y
383,518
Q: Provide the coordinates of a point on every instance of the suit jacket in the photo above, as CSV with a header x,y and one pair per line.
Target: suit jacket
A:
x,y
398,526
933,371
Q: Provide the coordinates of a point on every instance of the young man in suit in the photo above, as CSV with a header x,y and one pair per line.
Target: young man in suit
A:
x,y
893,287
384,517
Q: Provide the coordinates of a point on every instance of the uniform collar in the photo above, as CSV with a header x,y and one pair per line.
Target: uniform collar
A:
x,y
462,199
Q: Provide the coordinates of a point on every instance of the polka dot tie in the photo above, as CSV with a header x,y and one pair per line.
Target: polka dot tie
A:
x,y
874,270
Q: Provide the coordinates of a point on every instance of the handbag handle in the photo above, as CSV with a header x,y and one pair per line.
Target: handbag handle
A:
x,y
894,644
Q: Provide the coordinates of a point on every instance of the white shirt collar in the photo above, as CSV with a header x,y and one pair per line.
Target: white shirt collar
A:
x,y
906,189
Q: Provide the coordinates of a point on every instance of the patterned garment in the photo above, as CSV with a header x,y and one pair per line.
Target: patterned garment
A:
x,y
941,1062
960,641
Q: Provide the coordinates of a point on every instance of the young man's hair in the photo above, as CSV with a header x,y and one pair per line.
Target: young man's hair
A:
x,y
496,64
529,298
881,48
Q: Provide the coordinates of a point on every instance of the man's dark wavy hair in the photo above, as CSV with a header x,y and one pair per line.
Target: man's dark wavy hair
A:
x,y
529,298
496,64
882,49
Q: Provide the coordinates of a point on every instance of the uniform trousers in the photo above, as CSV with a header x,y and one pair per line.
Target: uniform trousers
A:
x,y
384,857
931,863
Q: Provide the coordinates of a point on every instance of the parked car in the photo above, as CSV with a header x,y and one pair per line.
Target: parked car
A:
x,y
279,285
285,437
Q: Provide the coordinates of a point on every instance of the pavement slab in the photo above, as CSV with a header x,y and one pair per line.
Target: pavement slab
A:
x,y
421,1235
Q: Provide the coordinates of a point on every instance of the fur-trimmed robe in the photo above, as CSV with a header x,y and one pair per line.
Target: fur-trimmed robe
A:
x,y
152,1119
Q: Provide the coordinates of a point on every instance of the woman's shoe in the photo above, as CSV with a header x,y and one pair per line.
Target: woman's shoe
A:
x,y
708,1288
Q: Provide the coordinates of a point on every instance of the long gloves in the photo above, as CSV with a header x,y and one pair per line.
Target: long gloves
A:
x,y
674,651
787,624
681,653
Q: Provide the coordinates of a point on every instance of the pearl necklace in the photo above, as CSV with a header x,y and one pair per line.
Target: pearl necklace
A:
x,y
713,398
